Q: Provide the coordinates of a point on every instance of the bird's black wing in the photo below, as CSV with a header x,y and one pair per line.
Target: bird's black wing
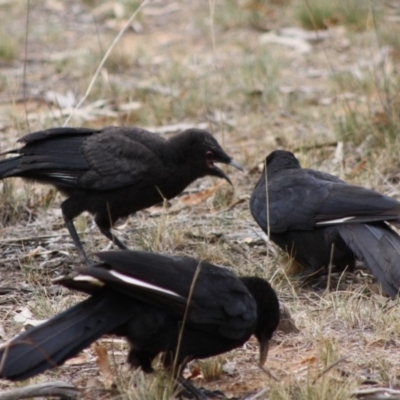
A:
x,y
302,199
53,133
218,297
122,157
83,158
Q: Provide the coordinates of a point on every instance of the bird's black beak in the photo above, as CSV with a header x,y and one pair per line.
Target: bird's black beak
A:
x,y
221,174
236,165
264,346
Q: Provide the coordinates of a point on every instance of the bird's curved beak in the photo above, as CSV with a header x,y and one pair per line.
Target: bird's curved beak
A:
x,y
264,346
222,174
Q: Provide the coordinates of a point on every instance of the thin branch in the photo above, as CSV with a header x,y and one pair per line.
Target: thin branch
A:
x,y
327,369
192,286
104,59
378,391
48,389
34,238
26,60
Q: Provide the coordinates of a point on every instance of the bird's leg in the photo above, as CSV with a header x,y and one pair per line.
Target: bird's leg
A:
x,y
190,389
104,221
74,234
108,234
198,394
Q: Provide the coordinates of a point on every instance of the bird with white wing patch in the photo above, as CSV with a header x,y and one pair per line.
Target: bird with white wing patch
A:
x,y
178,306
115,171
321,220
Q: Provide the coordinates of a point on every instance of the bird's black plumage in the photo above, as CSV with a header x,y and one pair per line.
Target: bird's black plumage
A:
x,y
115,171
143,297
309,211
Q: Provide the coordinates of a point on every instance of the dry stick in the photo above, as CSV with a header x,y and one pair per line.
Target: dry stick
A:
x,y
328,283
47,389
267,198
194,280
345,100
235,247
107,78
104,59
232,206
163,216
25,61
315,146
287,280
267,204
328,368
257,395
211,4
385,105
383,391
111,222
342,275
4,357
269,374
34,238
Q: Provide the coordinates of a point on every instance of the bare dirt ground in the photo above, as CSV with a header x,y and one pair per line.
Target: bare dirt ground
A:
x,y
233,68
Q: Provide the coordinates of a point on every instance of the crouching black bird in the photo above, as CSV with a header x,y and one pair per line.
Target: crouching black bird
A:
x,y
115,171
321,220
149,298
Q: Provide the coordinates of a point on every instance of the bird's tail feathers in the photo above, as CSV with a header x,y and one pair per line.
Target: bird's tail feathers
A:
x,y
60,338
378,246
8,165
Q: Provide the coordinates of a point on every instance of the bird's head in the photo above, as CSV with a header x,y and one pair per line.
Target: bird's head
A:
x,y
201,150
279,160
267,312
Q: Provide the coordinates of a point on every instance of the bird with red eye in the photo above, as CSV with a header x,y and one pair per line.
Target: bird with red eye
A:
x,y
214,154
115,171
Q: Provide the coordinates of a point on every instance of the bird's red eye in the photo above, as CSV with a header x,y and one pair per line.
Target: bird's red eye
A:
x,y
209,155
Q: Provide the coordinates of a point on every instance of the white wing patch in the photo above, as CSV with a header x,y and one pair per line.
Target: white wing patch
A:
x,y
62,176
336,221
137,282
90,279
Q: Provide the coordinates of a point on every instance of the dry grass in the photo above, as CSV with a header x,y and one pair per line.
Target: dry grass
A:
x,y
322,14
336,106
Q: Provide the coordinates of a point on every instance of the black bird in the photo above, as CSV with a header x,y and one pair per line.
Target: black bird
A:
x,y
144,297
115,171
321,220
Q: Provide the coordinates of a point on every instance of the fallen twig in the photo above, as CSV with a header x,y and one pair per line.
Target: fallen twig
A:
x,y
383,393
327,369
103,61
257,395
48,389
33,238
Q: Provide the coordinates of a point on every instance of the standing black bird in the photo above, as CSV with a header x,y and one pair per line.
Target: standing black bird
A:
x,y
144,297
115,171
320,219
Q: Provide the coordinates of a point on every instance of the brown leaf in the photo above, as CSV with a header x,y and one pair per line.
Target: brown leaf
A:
x,y
199,197
195,372
358,168
103,363
309,360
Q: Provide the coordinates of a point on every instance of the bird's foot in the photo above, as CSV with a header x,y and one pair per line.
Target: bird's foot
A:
x,y
189,391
